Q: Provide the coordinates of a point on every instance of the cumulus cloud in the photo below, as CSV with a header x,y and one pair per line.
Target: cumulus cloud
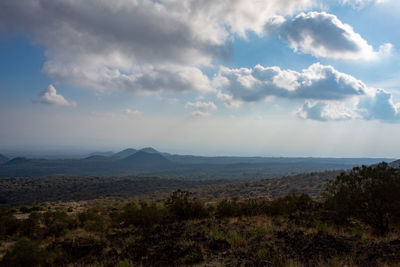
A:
x,y
147,79
201,108
322,111
316,82
228,100
131,45
328,94
244,15
379,106
50,96
376,106
323,35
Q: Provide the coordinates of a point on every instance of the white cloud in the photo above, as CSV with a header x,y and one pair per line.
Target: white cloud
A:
x,y
385,49
316,82
50,96
228,100
201,108
379,106
323,35
322,111
376,106
328,94
132,112
201,105
149,78
139,45
244,15
199,113
358,4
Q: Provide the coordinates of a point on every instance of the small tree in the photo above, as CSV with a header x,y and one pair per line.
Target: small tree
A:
x,y
369,194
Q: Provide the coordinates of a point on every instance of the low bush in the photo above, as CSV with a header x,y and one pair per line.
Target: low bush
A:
x,y
25,252
93,221
58,222
143,214
227,208
183,206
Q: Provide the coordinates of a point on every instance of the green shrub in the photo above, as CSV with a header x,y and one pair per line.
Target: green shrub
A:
x,y
227,208
254,206
143,215
286,206
58,222
183,206
93,221
290,204
125,263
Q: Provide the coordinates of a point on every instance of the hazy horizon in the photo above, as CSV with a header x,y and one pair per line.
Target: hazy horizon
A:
x,y
74,152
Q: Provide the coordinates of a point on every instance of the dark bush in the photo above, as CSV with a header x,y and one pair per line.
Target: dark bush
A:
x,y
93,221
290,204
30,227
227,208
58,222
144,214
183,206
24,253
254,206
8,224
24,209
369,194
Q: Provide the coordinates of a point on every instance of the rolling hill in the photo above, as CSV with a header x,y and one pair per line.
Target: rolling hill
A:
x,y
3,159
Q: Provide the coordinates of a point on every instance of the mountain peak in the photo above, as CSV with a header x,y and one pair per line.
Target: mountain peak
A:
x,y
150,150
125,153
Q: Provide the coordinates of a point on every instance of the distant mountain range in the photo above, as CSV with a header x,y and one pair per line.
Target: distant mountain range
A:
x,y
149,161
395,164
104,154
126,152
190,159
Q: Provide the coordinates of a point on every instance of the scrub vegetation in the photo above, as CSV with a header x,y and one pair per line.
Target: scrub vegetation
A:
x,y
355,222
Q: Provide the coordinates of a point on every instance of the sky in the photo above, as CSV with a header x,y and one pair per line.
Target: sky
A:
x,y
231,77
